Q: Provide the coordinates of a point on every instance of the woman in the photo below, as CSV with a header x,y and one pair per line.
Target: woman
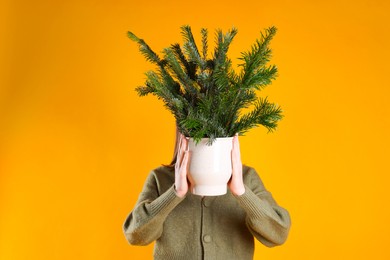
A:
x,y
187,226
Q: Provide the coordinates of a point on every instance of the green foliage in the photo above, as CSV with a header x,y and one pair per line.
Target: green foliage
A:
x,y
207,96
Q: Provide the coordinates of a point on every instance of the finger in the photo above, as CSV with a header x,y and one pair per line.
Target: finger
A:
x,y
179,145
182,148
183,143
236,145
186,143
182,137
235,162
185,161
179,155
233,158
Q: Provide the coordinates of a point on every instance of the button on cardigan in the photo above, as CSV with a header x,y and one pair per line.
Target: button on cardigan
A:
x,y
211,227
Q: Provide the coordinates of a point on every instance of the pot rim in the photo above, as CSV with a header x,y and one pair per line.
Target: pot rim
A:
x,y
207,138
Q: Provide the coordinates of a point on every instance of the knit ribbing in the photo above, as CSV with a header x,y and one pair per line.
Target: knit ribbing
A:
x,y
255,206
166,202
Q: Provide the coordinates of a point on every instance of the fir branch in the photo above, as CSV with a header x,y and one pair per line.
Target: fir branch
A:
x,y
224,76
222,45
264,113
152,57
149,54
177,105
190,67
145,90
206,96
259,55
178,71
204,33
204,81
169,82
190,47
262,77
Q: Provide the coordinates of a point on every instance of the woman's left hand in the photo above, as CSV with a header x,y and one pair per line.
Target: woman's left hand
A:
x,y
236,182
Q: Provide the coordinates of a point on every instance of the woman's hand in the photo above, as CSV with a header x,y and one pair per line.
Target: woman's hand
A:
x,y
236,182
181,167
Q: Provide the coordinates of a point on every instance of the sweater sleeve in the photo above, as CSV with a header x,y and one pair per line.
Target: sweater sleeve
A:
x,y
145,223
267,221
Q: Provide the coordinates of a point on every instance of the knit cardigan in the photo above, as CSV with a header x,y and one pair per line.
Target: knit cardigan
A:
x,y
210,227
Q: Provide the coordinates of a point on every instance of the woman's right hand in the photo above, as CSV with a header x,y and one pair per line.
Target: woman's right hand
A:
x,y
181,167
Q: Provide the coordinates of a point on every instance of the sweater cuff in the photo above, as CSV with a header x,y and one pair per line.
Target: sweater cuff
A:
x,y
166,202
253,205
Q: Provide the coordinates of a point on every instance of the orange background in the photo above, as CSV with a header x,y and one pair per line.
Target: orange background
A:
x,y
76,142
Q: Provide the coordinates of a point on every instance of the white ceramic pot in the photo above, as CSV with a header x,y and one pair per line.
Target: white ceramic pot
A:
x,y
210,166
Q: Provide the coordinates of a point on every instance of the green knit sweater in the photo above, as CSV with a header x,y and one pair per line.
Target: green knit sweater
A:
x,y
212,227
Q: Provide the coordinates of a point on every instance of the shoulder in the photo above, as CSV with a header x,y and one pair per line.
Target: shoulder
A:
x,y
248,171
251,177
163,170
162,174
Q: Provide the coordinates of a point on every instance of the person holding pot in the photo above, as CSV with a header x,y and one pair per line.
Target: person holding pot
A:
x,y
188,226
